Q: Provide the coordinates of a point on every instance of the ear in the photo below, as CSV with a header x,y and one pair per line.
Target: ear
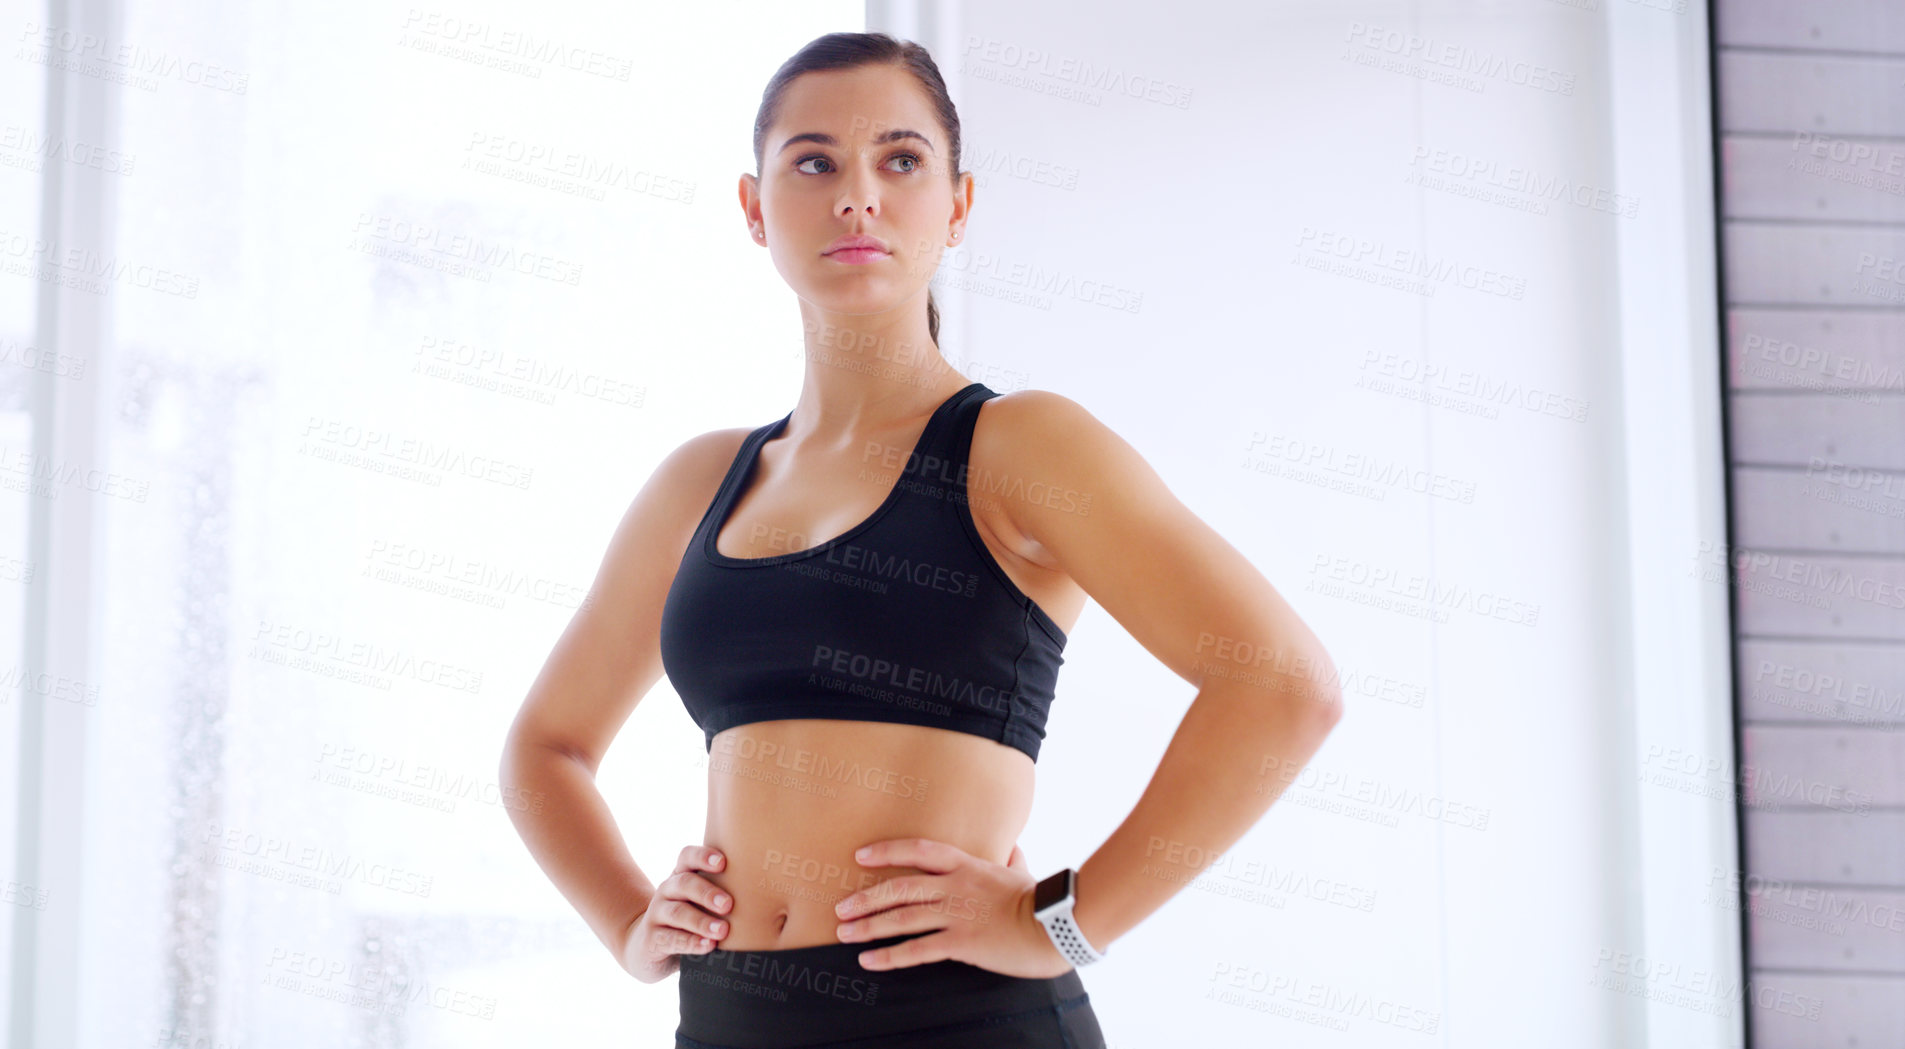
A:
x,y
962,200
749,190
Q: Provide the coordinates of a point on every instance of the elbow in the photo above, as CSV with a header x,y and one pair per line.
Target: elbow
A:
x,y
1323,703
1330,709
528,772
508,766
518,746
516,742
522,747
1326,691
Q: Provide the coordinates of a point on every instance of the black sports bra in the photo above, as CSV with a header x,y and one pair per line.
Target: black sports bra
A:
x,y
905,617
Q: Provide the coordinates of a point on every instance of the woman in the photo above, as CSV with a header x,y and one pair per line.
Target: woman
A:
x,y
874,700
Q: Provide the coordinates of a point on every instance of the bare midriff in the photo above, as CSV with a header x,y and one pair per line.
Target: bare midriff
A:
x,y
789,802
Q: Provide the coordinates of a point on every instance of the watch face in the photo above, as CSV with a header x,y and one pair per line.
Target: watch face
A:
x,y
1052,890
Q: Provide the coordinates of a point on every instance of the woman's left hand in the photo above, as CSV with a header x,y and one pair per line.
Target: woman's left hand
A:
x,y
982,911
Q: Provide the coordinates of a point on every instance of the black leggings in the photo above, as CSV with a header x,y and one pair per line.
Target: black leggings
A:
x,y
820,996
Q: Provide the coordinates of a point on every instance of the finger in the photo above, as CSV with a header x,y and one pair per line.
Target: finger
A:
x,y
687,885
693,920
913,917
699,858
907,888
1017,861
917,951
665,940
673,941
923,853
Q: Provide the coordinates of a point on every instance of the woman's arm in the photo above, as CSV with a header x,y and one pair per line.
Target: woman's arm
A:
x,y
605,662
1267,691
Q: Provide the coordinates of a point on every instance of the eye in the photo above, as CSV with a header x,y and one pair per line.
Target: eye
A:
x,y
911,157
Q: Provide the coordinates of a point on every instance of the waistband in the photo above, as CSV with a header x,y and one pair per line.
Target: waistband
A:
x,y
805,996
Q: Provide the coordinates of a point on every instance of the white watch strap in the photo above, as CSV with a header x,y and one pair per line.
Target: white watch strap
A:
x,y
1065,936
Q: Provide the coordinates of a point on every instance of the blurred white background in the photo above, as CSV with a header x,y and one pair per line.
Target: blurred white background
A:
x,y
334,340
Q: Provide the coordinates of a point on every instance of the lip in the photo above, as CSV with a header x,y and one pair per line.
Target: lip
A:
x,y
857,248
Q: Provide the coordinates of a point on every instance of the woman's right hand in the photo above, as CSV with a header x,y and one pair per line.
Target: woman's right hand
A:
x,y
680,918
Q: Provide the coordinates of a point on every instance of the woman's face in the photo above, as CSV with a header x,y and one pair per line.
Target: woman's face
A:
x,y
855,151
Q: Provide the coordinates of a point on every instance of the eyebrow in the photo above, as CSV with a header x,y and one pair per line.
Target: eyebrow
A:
x,y
825,139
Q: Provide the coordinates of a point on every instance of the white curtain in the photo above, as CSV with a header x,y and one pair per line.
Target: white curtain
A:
x,y
385,313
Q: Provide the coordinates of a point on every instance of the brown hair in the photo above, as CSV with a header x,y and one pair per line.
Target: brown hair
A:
x,y
848,51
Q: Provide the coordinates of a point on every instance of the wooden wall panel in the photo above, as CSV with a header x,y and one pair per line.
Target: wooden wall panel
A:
x,y
1839,25
1832,680
1786,92
1819,506
1802,264
1816,430
1823,350
1836,768
1790,847
1811,105
1814,177
1798,1010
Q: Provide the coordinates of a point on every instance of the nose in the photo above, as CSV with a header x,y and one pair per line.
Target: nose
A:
x,y
858,190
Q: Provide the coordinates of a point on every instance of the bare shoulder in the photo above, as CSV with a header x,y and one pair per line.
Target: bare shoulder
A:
x,y
609,655
663,513
686,478
1024,415
1050,453
1105,517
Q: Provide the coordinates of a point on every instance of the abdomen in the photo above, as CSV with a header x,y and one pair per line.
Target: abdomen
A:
x,y
790,801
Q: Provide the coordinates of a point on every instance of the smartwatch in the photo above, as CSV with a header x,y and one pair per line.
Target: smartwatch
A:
x,y
1052,904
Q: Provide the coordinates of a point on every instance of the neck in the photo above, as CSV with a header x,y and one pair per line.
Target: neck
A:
x,y
868,373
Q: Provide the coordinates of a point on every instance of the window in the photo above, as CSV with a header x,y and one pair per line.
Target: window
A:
x,y
385,313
